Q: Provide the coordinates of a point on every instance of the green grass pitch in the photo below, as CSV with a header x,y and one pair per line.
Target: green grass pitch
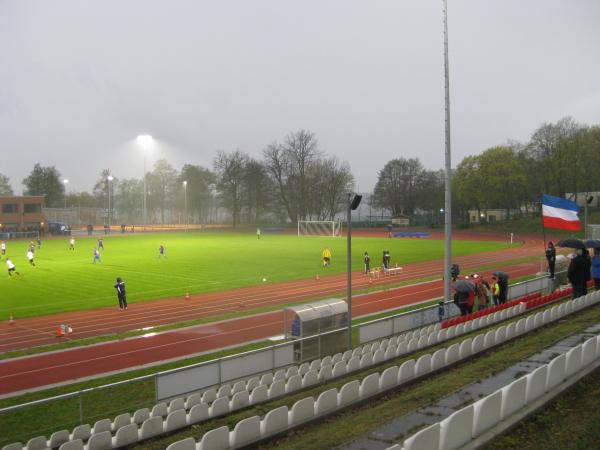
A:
x,y
65,280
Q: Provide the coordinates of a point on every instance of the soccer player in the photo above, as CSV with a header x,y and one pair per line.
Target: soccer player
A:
x,y
96,256
100,244
120,287
258,233
39,242
161,251
30,257
72,243
326,257
11,267
3,247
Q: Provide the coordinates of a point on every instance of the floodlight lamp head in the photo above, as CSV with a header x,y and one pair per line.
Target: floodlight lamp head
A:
x,y
355,201
185,182
589,199
145,140
110,178
66,181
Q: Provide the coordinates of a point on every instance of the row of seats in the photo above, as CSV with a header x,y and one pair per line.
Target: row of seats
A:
x,y
472,421
281,419
228,398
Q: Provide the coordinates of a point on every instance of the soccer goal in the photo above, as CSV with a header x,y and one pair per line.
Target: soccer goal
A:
x,y
319,227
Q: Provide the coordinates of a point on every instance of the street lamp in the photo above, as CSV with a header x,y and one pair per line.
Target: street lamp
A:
x,y
65,182
109,178
185,203
145,141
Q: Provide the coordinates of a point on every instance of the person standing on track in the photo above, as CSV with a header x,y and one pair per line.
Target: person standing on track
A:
x,y
551,258
386,260
326,257
121,295
367,260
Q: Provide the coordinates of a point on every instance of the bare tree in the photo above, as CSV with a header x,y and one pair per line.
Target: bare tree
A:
x,y
231,170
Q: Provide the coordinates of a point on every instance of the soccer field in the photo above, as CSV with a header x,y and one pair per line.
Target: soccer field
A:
x,y
65,280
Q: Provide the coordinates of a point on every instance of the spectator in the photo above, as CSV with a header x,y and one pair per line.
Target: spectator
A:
x,y
577,273
551,258
596,268
441,310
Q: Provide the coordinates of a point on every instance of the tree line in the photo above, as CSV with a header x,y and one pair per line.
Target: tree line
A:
x,y
296,180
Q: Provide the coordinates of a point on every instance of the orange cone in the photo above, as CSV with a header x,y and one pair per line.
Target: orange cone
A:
x,y
11,320
187,295
59,331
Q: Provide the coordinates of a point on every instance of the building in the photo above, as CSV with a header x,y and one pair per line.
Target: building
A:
x,y
22,213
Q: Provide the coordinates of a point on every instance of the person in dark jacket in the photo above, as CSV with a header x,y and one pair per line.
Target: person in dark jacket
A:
x,y
121,294
577,273
367,261
596,268
386,260
588,270
551,258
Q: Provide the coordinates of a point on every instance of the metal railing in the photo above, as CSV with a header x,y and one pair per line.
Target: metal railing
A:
x,y
88,405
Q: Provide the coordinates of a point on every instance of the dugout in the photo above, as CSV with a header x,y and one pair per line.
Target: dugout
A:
x,y
313,319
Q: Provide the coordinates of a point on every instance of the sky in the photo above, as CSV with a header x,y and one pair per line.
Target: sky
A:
x,y
79,80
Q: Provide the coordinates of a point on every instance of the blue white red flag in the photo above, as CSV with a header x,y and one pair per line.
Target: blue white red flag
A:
x,y
560,213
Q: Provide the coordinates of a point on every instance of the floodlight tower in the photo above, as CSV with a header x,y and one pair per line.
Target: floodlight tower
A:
x,y
65,182
145,141
109,178
185,203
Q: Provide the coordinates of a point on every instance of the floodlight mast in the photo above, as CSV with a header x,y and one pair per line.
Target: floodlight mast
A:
x,y
65,182
110,178
145,142
185,203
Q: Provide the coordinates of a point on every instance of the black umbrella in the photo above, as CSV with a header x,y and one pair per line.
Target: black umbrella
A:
x,y
571,243
592,243
464,286
500,275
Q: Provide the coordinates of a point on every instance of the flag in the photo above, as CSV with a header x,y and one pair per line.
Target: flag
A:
x,y
560,213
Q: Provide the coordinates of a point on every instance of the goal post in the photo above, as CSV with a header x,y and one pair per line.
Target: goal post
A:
x,y
319,228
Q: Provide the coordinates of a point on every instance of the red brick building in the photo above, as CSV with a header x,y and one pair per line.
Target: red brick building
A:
x,y
23,213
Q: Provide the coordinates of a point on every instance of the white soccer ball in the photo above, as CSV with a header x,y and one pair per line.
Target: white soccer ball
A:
x,y
264,280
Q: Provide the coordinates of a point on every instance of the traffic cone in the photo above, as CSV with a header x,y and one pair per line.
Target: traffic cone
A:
x,y
11,320
187,295
59,331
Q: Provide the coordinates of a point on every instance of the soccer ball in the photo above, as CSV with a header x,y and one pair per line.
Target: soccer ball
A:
x,y
264,280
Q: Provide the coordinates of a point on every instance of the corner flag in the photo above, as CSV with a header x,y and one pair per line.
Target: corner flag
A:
x,y
560,213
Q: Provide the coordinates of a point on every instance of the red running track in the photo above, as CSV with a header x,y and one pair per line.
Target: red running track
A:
x,y
36,331
28,373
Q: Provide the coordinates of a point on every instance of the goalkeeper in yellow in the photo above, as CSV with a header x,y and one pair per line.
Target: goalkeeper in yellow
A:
x,y
326,257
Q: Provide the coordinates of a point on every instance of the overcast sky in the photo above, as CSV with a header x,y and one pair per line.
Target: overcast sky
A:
x,y
80,79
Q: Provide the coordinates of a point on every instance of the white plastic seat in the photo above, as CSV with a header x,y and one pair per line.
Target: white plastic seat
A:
x,y
175,420
369,386
100,441
501,334
477,345
209,396
456,429
277,389
291,372
422,342
302,411
510,330
347,355
389,378
259,394
413,345
366,360
589,349
224,391
120,421
184,444
379,356
326,372
438,359
315,365
84,431
198,413
266,379
36,443
402,348
252,383
238,387
513,397
138,418
245,432
192,400
390,353
326,361
487,413
326,402
520,327
441,335
336,358
219,407
13,446
353,364
427,438
58,438
423,365
468,326
217,439
159,410
174,405
239,400
349,393
294,383
279,375
339,369
76,444
573,362
310,378
452,354
536,384
465,348
406,372
274,422
460,329
151,427
128,435
489,339
556,372
304,367
432,339
102,425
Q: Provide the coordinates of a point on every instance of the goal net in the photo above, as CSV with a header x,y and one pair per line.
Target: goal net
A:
x,y
319,228
593,231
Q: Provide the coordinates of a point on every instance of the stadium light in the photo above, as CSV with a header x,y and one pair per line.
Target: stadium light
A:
x,y
353,202
185,203
65,182
145,141
110,178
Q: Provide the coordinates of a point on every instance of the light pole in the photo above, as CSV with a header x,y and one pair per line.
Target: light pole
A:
x,y
110,178
185,203
145,141
353,202
65,182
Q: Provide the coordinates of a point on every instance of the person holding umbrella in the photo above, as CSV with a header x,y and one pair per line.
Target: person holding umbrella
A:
x,y
579,265
551,258
464,293
596,268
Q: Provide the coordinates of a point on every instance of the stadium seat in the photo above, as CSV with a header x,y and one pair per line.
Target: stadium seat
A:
x,y
460,329
556,372
452,354
423,365
102,425
339,369
589,352
326,372
486,413
310,378
13,446
315,365
76,444
326,402
450,333
500,334
259,394
457,429
390,353
536,384
427,438
304,367
422,342
100,441
465,348
513,397
369,386
275,421
294,383
349,393
406,372
389,378
402,348
379,356
210,395
120,421
266,379
159,410
84,431
327,361
151,427
217,439
302,411
347,355
366,360
431,339
245,432
192,400
477,344
277,389
58,438
138,418
573,361
239,400
438,359
279,375
413,345
468,326
353,364
198,413
219,407
184,444
37,443
224,391
238,387
441,335
489,339
252,383
128,434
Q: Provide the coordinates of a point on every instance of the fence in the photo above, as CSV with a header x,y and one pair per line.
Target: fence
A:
x,y
19,235
86,406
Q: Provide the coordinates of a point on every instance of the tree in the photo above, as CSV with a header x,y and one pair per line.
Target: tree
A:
x,y
100,190
330,182
45,181
257,190
231,170
5,187
162,187
199,197
129,198
396,186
